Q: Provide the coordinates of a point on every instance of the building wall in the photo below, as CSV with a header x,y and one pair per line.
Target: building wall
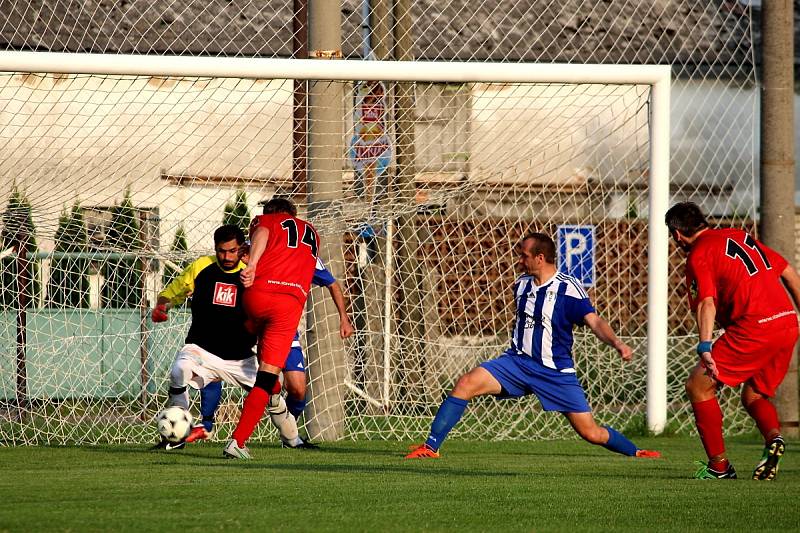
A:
x,y
88,139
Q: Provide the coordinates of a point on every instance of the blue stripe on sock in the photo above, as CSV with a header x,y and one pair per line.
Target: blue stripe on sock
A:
x,y
447,417
617,442
210,396
296,407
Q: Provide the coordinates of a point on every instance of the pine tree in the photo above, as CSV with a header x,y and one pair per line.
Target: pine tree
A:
x,y
237,213
69,277
124,277
179,247
18,226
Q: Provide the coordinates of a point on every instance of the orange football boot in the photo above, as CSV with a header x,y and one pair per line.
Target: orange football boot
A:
x,y
198,433
423,452
648,454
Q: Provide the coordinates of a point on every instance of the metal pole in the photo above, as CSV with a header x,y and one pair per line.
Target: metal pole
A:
x,y
777,163
144,339
410,317
23,284
387,318
658,258
326,356
300,98
380,22
366,31
381,43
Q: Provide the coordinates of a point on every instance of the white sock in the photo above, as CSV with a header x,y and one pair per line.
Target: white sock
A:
x,y
283,420
179,377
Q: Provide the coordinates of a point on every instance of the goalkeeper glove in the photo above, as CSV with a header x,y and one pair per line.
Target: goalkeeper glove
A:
x,y
160,313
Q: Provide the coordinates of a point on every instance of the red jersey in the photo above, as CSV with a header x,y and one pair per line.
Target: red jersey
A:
x,y
743,277
288,262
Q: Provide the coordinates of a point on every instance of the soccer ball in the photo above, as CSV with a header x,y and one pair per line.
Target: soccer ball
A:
x,y
174,423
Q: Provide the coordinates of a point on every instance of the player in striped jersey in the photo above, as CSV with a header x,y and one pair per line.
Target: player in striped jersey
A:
x,y
539,361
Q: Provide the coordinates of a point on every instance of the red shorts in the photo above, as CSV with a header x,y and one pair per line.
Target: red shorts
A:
x,y
754,353
274,317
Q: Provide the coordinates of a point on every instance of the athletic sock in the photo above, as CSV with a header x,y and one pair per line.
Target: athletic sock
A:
x,y
255,403
210,397
765,415
719,466
708,417
179,376
619,443
447,417
178,396
296,407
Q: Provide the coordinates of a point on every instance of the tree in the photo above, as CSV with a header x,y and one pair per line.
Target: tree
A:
x,y
178,252
124,283
237,213
18,228
69,276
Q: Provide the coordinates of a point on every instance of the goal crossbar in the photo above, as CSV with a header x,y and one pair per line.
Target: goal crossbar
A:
x,y
656,76
315,69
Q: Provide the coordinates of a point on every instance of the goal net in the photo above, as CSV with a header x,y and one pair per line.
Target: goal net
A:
x,y
117,175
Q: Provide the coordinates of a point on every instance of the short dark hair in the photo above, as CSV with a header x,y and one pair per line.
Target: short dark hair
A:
x,y
685,217
228,232
280,205
542,244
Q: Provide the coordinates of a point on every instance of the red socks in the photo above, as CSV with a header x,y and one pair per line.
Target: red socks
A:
x,y
719,466
255,403
708,417
765,415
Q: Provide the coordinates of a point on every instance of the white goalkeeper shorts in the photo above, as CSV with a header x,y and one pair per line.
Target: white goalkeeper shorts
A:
x,y
207,367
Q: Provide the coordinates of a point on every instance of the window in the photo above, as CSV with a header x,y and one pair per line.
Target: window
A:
x,y
442,128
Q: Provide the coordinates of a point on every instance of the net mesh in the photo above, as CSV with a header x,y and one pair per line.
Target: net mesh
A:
x,y
104,174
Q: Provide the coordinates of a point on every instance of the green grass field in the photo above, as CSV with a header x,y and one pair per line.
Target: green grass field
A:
x,y
368,486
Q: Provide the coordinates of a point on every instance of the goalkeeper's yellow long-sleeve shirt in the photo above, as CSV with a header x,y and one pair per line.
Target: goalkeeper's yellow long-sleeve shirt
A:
x,y
217,313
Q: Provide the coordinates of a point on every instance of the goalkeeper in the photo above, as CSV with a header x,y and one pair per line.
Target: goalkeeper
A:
x,y
218,347
539,360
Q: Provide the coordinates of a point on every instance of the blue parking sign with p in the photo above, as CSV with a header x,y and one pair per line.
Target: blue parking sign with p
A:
x,y
576,252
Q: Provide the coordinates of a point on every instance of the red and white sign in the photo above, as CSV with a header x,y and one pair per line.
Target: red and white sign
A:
x,y
225,294
370,141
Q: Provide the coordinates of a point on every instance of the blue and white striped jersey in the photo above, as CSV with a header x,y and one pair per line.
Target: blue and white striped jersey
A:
x,y
546,315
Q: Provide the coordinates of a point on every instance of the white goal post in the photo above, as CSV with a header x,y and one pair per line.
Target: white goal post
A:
x,y
658,77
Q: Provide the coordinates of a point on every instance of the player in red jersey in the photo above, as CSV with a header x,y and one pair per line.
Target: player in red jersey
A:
x,y
283,255
741,283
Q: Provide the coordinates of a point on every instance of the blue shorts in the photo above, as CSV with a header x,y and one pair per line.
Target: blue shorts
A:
x,y
519,375
295,361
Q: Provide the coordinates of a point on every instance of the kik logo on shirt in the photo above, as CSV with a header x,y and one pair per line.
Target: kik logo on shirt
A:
x,y
225,294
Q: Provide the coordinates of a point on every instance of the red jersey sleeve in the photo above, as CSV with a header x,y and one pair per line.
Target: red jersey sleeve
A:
x,y
254,224
700,279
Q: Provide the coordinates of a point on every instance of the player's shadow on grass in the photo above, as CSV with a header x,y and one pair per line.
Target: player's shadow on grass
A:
x,y
367,469
115,448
